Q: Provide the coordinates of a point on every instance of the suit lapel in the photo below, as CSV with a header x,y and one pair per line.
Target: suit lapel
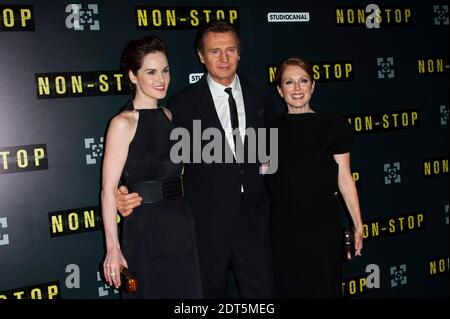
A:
x,y
206,108
250,114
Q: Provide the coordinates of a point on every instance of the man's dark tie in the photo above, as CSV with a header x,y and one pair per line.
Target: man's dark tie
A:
x,y
234,117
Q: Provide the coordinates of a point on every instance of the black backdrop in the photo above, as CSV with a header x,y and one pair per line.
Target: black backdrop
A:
x,y
60,85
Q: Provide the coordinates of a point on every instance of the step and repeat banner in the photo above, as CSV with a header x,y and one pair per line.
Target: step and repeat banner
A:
x,y
384,66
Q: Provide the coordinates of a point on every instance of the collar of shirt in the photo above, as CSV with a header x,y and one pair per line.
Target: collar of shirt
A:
x,y
218,90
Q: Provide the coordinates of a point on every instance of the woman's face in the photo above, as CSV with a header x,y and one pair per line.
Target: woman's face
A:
x,y
153,78
296,87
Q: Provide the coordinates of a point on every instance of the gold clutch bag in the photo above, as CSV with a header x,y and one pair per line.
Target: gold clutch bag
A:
x,y
128,280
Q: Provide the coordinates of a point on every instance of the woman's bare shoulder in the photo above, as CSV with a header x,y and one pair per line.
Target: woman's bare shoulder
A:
x,y
124,120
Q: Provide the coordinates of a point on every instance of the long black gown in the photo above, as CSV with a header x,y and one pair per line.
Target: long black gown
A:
x,y
305,219
158,239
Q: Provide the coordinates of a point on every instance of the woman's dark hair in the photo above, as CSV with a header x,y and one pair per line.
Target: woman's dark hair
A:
x,y
217,26
134,53
300,62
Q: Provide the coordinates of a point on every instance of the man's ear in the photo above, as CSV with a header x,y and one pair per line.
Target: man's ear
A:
x,y
200,56
132,77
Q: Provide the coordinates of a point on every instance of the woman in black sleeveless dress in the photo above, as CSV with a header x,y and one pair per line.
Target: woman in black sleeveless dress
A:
x,y
158,239
305,220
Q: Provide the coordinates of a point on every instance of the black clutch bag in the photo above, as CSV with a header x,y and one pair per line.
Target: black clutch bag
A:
x,y
128,280
349,244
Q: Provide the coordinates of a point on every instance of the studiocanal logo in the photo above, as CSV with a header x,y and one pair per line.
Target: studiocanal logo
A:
x,y
288,17
195,77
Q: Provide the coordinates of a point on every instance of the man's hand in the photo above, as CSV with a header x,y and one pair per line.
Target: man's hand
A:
x,y
263,168
126,202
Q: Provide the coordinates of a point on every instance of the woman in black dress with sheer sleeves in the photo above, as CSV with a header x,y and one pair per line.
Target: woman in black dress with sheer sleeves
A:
x,y
314,163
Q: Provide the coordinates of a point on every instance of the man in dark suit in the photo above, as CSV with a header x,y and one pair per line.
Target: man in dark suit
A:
x,y
229,200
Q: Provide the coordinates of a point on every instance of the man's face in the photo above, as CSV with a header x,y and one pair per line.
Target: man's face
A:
x,y
220,56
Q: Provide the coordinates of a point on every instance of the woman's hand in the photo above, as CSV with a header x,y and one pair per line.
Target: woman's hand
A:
x,y
358,240
114,260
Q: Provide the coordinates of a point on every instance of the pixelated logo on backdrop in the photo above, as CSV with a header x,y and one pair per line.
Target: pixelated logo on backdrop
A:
x,y
386,68
446,214
443,110
95,150
440,14
4,237
104,289
392,173
398,275
82,18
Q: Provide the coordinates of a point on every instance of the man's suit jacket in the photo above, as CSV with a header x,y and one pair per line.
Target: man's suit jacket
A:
x,y
214,190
